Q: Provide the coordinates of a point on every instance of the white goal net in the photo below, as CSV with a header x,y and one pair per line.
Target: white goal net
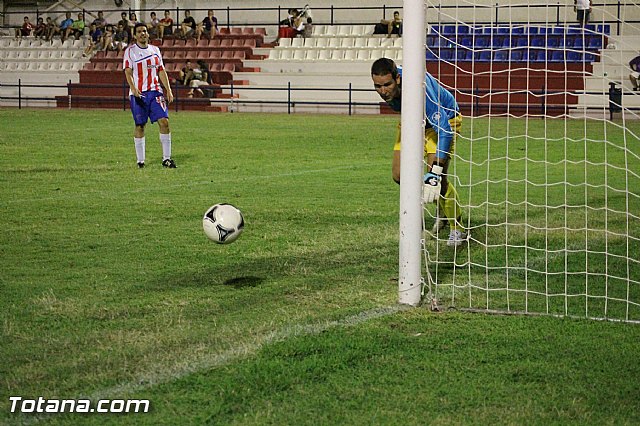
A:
x,y
547,164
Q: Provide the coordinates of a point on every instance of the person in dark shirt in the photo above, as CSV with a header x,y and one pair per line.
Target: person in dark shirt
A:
x,y
188,26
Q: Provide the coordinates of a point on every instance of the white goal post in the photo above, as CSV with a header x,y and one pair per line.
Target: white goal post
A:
x,y
411,165
546,166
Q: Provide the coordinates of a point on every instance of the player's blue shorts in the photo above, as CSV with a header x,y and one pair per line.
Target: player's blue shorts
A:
x,y
149,106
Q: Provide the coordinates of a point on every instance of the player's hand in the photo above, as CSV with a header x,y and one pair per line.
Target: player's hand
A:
x,y
169,96
135,92
432,184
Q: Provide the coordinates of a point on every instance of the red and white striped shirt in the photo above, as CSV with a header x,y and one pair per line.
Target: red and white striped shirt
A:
x,y
145,63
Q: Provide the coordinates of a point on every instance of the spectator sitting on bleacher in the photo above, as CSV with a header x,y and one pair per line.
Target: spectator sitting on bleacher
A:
x,y
153,24
95,40
120,38
188,26
133,20
292,14
64,25
308,28
125,23
186,74
201,77
76,29
166,25
41,29
208,26
100,22
635,73
52,29
393,26
25,29
107,38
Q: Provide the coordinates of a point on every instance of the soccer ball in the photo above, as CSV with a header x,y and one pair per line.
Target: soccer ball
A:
x,y
223,223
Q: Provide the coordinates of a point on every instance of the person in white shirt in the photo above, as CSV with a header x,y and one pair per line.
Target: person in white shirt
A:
x,y
144,71
583,9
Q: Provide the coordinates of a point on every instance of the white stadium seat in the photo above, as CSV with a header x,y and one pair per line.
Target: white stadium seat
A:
x,y
350,55
297,42
334,42
360,42
299,54
322,42
311,54
274,54
284,42
363,54
324,54
347,42
337,54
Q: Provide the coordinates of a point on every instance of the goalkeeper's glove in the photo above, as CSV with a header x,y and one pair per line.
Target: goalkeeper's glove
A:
x,y
432,185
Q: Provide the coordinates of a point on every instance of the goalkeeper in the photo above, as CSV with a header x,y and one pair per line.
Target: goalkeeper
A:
x,y
442,125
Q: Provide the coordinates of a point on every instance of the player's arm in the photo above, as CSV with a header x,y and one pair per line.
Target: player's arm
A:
x,y
164,79
128,74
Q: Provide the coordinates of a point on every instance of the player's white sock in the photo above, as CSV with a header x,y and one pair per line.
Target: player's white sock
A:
x,y
165,140
140,148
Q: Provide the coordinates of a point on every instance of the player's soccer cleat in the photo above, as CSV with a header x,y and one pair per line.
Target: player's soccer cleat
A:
x,y
457,238
141,164
169,163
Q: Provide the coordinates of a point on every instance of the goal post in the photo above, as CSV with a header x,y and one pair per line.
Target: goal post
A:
x,y
411,162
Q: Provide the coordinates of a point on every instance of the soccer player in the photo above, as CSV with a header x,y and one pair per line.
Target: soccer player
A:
x,y
143,67
442,125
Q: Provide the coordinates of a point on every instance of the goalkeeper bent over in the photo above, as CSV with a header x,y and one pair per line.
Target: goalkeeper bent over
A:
x,y
443,124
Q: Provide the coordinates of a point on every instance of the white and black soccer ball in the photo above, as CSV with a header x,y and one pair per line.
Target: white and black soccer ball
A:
x,y
223,223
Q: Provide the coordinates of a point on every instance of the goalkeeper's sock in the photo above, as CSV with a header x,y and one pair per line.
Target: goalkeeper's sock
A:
x,y
451,208
140,148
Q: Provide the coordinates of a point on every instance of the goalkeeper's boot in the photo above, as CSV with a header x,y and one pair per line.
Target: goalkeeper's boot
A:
x,y
457,238
438,225
169,163
141,164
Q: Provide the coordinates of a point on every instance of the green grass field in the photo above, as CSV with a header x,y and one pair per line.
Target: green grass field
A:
x,y
110,290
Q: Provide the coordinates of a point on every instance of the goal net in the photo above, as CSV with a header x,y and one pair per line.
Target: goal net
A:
x,y
547,164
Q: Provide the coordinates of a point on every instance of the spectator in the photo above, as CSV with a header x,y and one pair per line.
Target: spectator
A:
x,y
52,29
583,9
125,23
64,25
100,22
635,73
154,22
292,14
201,77
25,29
308,28
133,20
40,29
120,38
188,26
208,26
166,25
76,28
186,74
108,42
95,40
393,26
